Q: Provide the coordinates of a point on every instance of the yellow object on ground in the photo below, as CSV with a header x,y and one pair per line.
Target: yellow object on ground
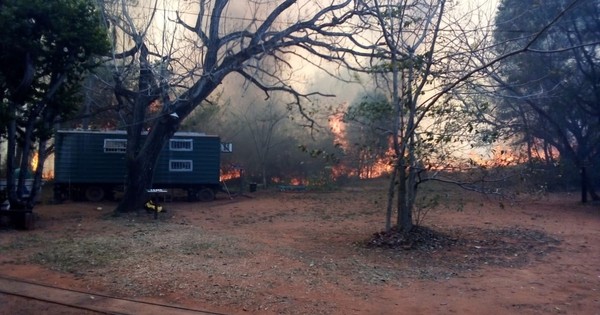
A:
x,y
151,206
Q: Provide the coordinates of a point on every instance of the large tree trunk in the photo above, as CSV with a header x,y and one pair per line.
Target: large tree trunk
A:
x,y
587,186
10,154
264,174
25,161
139,178
408,155
411,187
49,116
396,129
140,156
140,167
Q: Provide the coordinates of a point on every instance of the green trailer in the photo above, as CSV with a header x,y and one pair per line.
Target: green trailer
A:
x,y
90,165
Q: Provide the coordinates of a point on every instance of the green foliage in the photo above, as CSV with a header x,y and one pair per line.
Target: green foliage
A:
x,y
319,153
45,49
554,96
372,109
417,63
368,127
561,175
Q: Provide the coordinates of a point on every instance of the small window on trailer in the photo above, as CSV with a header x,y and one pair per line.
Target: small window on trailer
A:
x,y
181,166
115,145
181,145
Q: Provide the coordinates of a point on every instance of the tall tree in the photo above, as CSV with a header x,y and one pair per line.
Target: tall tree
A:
x,y
551,94
46,47
179,52
406,61
422,55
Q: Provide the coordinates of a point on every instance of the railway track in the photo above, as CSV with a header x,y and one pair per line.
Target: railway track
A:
x,y
91,302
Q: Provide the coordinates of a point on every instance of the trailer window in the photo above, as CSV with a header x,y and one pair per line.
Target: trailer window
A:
x,y
181,145
115,145
181,165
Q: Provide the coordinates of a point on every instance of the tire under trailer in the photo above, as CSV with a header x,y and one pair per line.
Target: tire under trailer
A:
x,y
202,194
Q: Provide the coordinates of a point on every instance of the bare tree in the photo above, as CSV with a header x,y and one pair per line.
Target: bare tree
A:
x,y
263,124
408,33
424,54
178,53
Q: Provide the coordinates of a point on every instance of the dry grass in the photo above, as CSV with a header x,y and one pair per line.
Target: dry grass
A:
x,y
259,257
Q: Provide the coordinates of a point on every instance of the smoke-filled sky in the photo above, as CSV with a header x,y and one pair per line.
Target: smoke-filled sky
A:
x,y
243,14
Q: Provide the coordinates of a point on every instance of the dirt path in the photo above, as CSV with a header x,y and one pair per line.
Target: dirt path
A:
x,y
78,302
305,253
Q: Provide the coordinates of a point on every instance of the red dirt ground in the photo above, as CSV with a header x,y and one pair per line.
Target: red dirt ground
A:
x,y
306,253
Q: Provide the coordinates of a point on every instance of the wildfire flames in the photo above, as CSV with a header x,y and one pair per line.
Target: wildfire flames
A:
x,y
499,155
369,167
338,128
48,173
229,174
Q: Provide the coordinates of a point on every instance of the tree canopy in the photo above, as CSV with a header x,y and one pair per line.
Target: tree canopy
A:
x,y
551,94
46,47
167,62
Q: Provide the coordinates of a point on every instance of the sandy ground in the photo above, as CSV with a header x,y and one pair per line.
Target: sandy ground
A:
x,y
307,253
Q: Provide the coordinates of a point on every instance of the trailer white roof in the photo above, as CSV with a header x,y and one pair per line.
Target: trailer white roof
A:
x,y
123,132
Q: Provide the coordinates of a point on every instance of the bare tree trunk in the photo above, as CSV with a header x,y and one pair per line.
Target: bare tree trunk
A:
x,y
400,189
411,189
49,116
548,153
139,178
409,147
396,128
10,153
25,159
264,174
140,160
390,199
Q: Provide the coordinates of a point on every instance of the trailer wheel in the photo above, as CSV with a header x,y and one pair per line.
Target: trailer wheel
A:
x,y
206,194
94,193
60,195
192,195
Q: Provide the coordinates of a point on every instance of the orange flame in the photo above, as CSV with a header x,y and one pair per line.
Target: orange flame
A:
x,y
500,155
230,174
368,168
34,161
338,128
292,181
298,181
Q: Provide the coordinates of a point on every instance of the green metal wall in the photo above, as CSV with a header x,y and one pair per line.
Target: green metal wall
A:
x,y
206,158
80,158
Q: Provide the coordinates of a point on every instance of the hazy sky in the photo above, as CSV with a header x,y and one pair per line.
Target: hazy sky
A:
x,y
307,77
